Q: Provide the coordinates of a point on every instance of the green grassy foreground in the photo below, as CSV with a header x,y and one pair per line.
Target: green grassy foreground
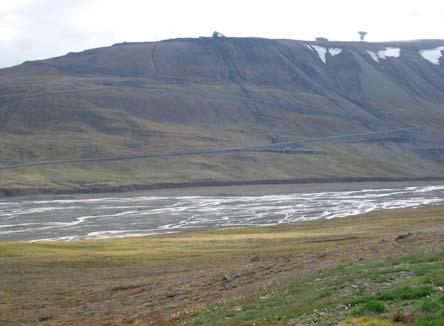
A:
x,y
349,271
405,290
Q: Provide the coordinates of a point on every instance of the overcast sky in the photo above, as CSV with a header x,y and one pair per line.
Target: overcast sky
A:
x,y
37,29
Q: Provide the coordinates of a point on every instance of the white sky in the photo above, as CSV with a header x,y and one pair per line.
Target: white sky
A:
x,y
37,29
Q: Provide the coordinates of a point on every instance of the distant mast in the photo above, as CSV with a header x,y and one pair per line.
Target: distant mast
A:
x,y
362,35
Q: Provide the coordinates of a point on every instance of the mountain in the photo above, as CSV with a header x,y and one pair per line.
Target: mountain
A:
x,y
356,109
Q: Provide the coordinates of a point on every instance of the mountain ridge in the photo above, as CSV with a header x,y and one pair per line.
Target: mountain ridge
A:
x,y
186,94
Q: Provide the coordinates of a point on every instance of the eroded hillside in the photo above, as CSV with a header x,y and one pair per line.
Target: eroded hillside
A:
x,y
189,94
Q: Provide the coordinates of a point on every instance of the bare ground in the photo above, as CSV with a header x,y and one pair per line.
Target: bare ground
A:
x,y
170,279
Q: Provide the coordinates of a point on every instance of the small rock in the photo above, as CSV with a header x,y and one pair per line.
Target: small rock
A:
x,y
44,318
171,294
227,278
237,275
403,236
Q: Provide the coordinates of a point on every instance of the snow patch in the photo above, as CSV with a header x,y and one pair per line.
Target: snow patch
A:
x,y
390,52
321,52
374,56
432,55
384,54
335,51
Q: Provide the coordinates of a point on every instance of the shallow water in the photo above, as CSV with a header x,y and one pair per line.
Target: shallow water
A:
x,y
77,217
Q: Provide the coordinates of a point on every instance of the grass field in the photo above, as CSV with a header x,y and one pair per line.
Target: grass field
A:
x,y
349,271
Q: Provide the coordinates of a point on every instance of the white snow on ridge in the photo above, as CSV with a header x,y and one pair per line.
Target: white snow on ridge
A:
x,y
374,56
384,54
323,51
335,51
389,52
432,55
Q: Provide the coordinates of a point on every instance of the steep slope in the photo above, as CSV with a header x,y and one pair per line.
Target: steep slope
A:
x,y
183,94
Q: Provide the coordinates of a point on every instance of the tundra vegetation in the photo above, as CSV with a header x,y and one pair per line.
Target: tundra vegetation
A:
x,y
380,268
